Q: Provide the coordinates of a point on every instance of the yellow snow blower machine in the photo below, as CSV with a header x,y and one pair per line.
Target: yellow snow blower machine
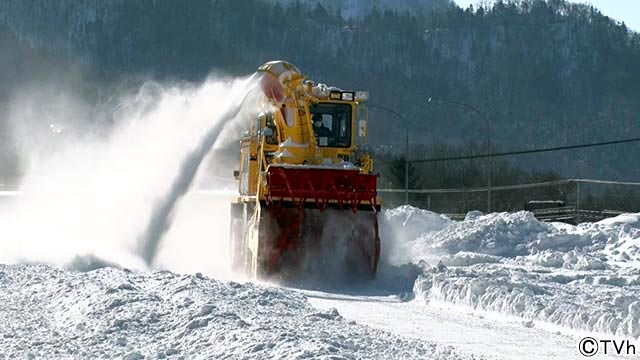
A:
x,y
308,200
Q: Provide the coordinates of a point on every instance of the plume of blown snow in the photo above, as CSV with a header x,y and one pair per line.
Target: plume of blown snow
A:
x,y
401,226
100,197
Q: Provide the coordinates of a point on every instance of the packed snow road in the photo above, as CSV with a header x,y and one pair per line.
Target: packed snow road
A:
x,y
467,330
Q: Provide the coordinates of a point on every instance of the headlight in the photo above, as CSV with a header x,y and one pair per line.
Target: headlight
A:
x,y
347,96
362,95
334,95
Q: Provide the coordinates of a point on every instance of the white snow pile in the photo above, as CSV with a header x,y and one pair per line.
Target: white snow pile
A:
x,y
582,277
403,223
109,313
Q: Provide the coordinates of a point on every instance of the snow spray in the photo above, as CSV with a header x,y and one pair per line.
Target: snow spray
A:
x,y
162,212
110,197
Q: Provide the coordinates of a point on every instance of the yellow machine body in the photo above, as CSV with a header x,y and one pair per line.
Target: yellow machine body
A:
x,y
301,156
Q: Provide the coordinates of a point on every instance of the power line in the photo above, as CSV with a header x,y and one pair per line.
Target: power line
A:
x,y
520,152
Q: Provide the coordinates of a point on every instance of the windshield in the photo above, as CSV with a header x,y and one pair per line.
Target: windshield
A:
x,y
332,124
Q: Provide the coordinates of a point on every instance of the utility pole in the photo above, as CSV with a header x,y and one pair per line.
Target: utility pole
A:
x,y
406,147
488,125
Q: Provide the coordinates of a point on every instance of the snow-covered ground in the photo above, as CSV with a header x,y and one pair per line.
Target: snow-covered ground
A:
x,y
470,331
504,286
49,313
582,277
500,286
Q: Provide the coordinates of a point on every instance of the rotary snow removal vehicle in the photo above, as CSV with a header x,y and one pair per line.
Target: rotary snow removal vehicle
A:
x,y
308,200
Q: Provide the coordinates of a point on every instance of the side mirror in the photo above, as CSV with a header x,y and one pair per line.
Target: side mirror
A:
x,y
362,125
362,128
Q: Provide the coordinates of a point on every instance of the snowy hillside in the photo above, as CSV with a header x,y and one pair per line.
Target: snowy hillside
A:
x,y
50,313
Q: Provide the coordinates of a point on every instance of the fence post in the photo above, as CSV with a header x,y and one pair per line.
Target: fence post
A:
x,y
429,202
577,201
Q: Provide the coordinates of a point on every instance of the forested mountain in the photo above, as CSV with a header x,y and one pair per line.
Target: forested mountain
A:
x,y
357,9
543,72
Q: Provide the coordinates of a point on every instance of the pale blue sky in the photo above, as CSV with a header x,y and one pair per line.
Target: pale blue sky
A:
x,y
621,10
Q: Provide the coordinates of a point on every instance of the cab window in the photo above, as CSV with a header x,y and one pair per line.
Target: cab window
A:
x,y
332,124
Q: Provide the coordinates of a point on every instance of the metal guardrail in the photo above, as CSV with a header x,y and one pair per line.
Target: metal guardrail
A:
x,y
571,214
567,214
456,217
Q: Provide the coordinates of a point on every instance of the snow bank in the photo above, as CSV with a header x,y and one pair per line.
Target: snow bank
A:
x,y
510,235
583,277
110,313
502,234
606,303
403,223
629,219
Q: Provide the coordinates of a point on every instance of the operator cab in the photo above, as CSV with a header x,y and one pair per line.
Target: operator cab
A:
x,y
332,124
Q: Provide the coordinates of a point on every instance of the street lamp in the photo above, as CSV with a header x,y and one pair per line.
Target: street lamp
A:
x,y
406,147
486,122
